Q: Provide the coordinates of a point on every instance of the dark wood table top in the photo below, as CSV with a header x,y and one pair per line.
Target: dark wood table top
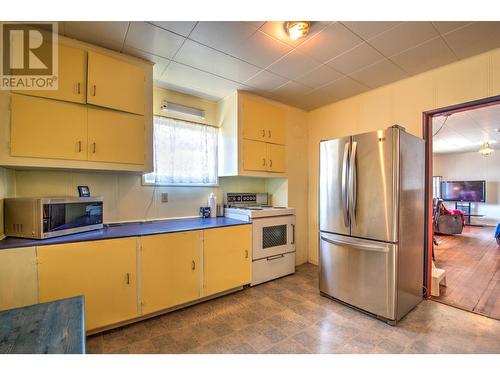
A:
x,y
56,327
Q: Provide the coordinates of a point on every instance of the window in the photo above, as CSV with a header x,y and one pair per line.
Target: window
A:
x,y
184,153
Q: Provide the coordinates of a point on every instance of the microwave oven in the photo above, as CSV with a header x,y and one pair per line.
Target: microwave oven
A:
x,y
40,218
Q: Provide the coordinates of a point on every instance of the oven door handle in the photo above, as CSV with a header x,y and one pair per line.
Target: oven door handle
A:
x,y
293,234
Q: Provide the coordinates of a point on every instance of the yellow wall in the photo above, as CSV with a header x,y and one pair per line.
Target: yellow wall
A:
x,y
399,103
7,189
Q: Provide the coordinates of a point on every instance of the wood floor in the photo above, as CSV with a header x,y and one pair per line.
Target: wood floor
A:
x,y
472,264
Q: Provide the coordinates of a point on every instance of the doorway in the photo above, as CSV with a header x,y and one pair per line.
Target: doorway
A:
x,y
463,206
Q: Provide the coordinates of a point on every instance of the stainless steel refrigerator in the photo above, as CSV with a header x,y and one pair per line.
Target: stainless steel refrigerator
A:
x,y
371,220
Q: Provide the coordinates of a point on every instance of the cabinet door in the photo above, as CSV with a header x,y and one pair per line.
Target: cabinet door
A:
x,y
115,84
115,137
46,128
277,158
170,270
18,285
72,77
262,121
227,255
103,271
254,155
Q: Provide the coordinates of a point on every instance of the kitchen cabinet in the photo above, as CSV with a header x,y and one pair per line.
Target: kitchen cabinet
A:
x,y
18,278
262,121
262,156
104,272
227,255
115,137
71,78
115,84
253,136
170,270
47,128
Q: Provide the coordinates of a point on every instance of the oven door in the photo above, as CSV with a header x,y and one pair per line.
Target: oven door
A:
x,y
273,236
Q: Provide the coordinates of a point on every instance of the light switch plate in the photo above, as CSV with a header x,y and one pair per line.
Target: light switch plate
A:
x,y
164,197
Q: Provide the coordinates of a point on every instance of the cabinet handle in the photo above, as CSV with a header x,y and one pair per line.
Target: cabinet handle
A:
x,y
246,254
263,162
128,278
270,162
78,88
93,147
193,265
269,133
263,133
79,146
94,89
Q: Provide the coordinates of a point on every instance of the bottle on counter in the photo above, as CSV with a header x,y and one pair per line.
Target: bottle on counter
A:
x,y
212,203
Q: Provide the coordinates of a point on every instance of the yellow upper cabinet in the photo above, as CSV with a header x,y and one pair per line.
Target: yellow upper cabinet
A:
x,y
72,77
170,270
262,121
115,137
116,84
255,156
276,155
227,258
104,272
46,128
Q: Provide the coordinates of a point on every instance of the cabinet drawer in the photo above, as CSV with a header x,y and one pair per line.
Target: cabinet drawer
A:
x,y
272,267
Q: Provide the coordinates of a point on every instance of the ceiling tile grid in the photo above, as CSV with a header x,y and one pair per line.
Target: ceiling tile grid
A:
x,y
336,60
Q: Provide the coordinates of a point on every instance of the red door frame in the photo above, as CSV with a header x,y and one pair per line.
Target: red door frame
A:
x,y
427,135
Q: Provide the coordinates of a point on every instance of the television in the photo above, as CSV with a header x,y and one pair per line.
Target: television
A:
x,y
463,191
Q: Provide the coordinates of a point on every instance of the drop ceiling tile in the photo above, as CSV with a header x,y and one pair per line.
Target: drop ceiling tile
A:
x,y
197,82
425,56
179,27
153,39
319,76
330,42
337,90
105,34
293,65
260,49
369,29
403,36
215,62
222,35
446,26
255,24
291,89
474,38
160,62
277,30
379,74
359,57
266,81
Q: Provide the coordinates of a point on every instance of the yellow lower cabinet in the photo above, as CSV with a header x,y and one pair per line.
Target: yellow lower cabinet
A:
x,y
170,270
18,285
227,254
277,158
255,155
103,271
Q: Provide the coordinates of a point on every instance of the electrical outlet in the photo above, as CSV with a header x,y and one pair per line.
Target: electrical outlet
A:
x,y
164,197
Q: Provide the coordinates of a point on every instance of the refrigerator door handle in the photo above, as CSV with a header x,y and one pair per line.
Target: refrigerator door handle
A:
x,y
353,183
345,206
356,244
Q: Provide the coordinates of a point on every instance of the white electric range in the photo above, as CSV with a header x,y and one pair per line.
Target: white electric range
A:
x,y
273,250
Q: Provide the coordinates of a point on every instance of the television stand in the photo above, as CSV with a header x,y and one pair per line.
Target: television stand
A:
x,y
465,207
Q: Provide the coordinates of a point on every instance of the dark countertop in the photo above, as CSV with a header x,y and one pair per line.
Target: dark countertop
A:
x,y
56,327
127,230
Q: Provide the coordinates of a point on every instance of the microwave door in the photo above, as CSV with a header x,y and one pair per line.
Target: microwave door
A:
x,y
334,186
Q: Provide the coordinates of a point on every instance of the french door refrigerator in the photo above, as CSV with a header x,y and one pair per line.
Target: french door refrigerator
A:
x,y
371,221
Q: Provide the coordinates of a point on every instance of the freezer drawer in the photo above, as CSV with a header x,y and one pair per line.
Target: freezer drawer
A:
x,y
272,267
359,272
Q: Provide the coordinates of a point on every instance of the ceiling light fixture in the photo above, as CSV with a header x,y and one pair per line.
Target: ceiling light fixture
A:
x,y
486,149
182,109
297,29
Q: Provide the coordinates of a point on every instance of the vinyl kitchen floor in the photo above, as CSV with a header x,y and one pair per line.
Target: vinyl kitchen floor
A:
x,y
289,316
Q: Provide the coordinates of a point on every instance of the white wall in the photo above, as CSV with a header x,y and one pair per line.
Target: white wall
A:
x,y
474,166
